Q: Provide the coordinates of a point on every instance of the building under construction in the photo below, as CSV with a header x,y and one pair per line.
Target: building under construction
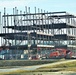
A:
x,y
26,33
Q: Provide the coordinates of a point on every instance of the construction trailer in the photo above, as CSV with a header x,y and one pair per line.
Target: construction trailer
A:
x,y
26,33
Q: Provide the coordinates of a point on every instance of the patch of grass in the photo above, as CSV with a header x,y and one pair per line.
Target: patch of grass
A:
x,y
6,63
17,72
71,66
70,69
62,65
55,70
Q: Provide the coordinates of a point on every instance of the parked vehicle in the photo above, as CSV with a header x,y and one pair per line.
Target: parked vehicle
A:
x,y
60,53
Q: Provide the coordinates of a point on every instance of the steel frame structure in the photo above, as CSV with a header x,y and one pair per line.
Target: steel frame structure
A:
x,y
39,30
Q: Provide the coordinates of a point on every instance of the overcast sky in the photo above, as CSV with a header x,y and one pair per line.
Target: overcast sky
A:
x,y
48,5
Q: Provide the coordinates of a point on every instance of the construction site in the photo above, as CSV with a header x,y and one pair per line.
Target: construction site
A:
x,y
37,35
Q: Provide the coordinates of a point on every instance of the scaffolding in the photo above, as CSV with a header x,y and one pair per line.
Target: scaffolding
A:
x,y
36,31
